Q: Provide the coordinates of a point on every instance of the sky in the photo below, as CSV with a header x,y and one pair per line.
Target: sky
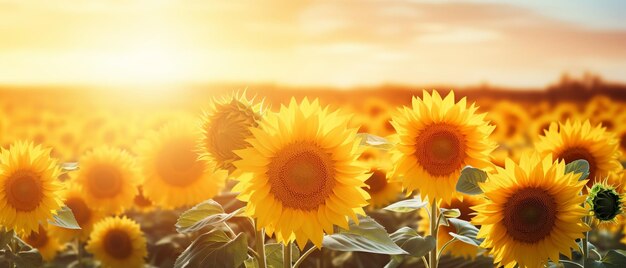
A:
x,y
341,43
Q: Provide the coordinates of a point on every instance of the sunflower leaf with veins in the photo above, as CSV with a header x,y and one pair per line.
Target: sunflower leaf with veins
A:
x,y
465,232
207,213
407,205
214,249
374,141
65,219
469,179
578,166
367,236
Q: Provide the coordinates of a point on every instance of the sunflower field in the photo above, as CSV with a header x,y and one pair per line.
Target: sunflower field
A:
x,y
311,178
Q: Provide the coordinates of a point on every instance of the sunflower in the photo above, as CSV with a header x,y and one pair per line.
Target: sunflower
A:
x,y
86,216
141,203
457,249
29,190
510,119
578,140
438,137
109,179
226,127
621,135
118,242
174,176
303,174
47,245
382,188
532,212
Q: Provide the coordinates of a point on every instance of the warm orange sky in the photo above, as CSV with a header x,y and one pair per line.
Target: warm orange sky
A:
x,y
338,43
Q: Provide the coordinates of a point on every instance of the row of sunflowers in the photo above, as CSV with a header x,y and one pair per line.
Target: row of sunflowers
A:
x,y
302,184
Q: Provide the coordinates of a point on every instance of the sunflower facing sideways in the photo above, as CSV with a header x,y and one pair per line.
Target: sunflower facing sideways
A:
x,y
304,173
29,190
118,242
86,216
381,187
108,177
226,127
439,137
47,245
532,212
174,176
579,140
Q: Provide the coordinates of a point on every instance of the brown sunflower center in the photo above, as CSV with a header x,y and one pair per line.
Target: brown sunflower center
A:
x,y
301,176
530,215
118,244
178,164
104,181
37,240
575,153
79,208
377,181
440,149
227,130
24,191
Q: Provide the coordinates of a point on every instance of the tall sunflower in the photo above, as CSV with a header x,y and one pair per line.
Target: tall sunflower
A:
x,y
86,216
579,140
532,212
438,137
174,176
29,190
382,187
226,127
109,179
47,245
304,177
457,249
118,242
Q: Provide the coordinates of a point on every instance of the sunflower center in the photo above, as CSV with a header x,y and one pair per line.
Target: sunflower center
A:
x,y
24,191
37,240
377,181
440,149
104,181
529,215
301,176
606,205
79,208
575,153
118,244
178,165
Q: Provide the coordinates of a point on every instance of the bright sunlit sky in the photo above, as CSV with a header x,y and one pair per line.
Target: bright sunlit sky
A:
x,y
336,43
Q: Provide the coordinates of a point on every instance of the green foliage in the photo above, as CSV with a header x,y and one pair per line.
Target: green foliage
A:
x,y
207,213
465,232
374,141
367,236
469,180
64,218
407,205
214,249
580,166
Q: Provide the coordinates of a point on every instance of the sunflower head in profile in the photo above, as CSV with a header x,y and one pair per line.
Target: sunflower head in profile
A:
x,y
173,174
439,137
457,249
118,242
108,178
382,188
532,212
304,176
579,140
29,188
46,243
86,216
226,126
605,202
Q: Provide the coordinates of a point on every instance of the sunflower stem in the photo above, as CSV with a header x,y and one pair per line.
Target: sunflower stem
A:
x,y
444,247
434,220
304,255
571,262
287,255
585,248
260,247
425,262
79,253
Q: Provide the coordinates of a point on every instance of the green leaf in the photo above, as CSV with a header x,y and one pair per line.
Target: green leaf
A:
x,y
367,236
374,141
469,179
407,205
614,258
65,219
214,249
274,254
410,241
207,213
579,166
69,166
5,237
465,232
29,258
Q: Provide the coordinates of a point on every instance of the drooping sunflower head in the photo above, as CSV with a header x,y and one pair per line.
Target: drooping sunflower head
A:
x,y
381,186
142,203
118,242
532,212
304,176
174,176
457,249
47,244
29,188
438,137
86,215
579,140
226,127
605,202
108,178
